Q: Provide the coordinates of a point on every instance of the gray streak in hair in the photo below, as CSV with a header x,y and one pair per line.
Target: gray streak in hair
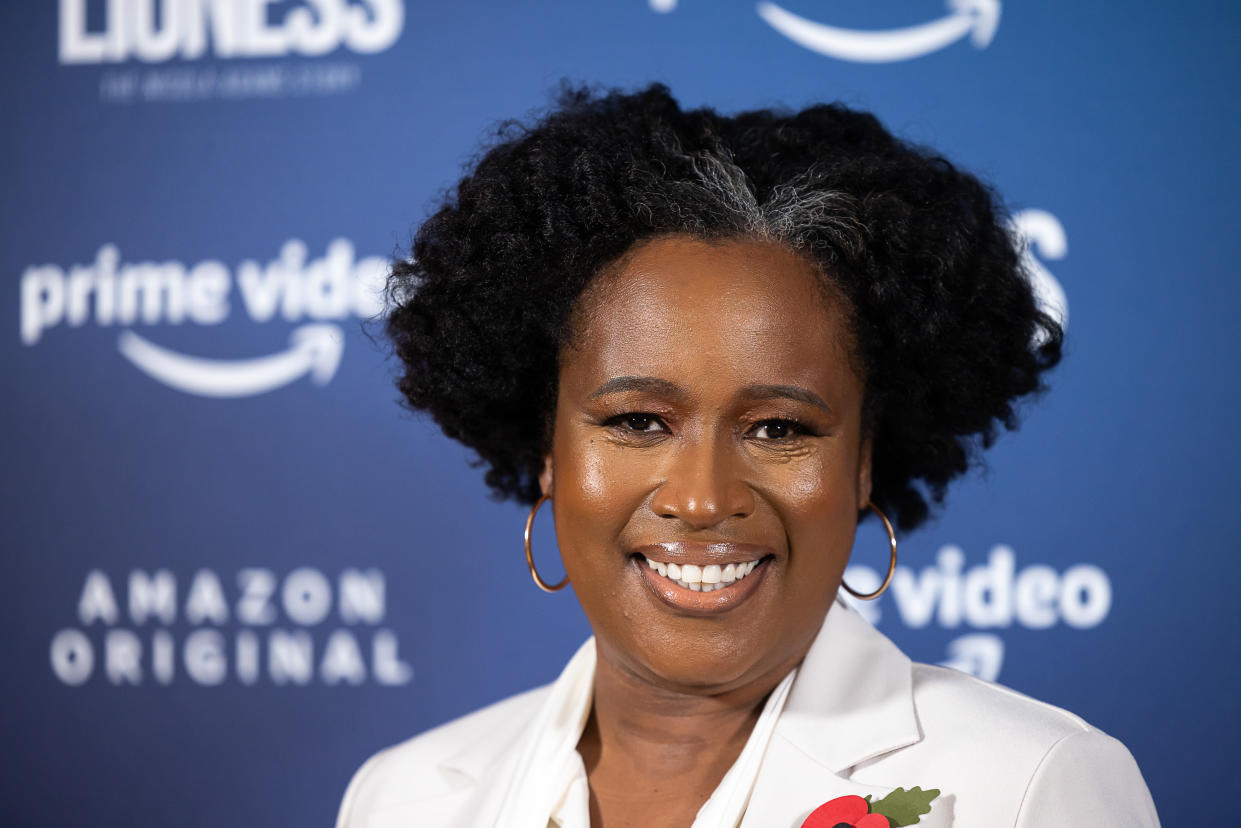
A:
x,y
797,210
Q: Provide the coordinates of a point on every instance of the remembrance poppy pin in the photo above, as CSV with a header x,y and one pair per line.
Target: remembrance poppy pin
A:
x,y
899,808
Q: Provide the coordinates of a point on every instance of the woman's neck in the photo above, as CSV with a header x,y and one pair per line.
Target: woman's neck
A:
x,y
657,753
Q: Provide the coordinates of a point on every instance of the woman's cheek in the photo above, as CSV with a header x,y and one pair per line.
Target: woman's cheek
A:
x,y
605,484
804,488
592,475
817,502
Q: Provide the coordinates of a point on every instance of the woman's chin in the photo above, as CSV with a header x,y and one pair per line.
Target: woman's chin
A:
x,y
695,658
704,672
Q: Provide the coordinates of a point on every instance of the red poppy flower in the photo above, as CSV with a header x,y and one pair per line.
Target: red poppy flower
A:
x,y
847,811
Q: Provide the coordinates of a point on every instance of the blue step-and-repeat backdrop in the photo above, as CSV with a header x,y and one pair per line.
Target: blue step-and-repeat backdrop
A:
x,y
233,567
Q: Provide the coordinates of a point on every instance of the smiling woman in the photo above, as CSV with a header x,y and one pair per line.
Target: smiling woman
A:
x,y
713,344
692,430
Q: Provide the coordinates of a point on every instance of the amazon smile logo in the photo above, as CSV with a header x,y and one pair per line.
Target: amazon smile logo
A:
x,y
316,294
976,19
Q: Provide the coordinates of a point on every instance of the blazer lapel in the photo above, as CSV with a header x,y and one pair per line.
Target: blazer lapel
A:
x,y
790,785
852,700
522,780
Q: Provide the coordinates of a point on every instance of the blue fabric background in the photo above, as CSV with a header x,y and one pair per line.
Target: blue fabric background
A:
x,y
1118,119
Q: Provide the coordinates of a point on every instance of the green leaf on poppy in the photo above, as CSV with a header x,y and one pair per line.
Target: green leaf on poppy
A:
x,y
904,807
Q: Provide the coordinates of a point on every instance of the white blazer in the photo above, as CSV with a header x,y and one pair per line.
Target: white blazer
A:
x,y
861,718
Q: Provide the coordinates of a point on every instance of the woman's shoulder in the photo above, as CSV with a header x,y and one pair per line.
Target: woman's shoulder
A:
x,y
1039,759
432,766
949,701
957,708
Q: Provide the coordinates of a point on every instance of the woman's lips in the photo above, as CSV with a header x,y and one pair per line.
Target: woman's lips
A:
x,y
732,571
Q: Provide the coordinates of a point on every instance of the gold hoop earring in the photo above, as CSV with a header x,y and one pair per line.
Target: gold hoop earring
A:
x,y
534,573
870,596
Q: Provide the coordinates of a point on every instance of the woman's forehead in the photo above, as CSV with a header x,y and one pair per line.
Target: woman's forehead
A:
x,y
739,307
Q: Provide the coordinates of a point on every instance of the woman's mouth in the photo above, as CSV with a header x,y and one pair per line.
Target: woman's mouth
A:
x,y
721,577
702,578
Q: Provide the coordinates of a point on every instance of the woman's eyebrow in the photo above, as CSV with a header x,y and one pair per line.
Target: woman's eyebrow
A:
x,y
652,385
788,392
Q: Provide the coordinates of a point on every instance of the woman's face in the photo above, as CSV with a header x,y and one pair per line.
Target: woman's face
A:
x,y
707,417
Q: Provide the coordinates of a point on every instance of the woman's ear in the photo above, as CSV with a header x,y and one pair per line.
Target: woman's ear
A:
x,y
863,474
545,476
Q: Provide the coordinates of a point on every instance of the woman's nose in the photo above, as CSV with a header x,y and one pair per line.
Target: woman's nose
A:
x,y
703,486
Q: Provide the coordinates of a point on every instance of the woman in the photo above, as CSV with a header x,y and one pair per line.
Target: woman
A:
x,y
713,344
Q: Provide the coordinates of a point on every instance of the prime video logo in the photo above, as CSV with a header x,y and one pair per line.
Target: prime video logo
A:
x,y
154,31
316,292
292,287
995,595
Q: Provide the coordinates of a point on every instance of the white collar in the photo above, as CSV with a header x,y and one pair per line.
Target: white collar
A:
x,y
853,698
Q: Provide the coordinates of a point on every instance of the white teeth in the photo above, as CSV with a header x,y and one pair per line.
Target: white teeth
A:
x,y
702,578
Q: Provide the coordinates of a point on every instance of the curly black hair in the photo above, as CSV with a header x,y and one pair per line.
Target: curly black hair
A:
x,y
948,334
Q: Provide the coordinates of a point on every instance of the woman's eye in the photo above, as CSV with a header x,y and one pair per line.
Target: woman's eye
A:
x,y
777,430
646,423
